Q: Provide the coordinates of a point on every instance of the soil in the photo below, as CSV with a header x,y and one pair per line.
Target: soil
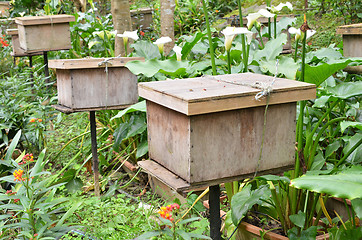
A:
x,y
264,222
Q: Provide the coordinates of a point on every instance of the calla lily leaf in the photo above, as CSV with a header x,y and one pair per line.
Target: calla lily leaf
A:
x,y
145,49
318,74
346,90
347,184
346,124
151,67
272,48
286,66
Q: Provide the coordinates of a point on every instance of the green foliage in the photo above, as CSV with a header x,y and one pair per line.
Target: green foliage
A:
x,y
30,209
346,184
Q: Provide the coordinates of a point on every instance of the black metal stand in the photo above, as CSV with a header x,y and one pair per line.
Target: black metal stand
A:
x,y
215,221
92,119
31,68
46,68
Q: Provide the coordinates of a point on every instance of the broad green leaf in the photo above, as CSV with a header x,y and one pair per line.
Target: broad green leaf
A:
x,y
183,234
140,106
298,219
274,178
188,220
198,236
357,206
149,235
346,90
346,124
339,233
12,146
272,49
244,200
347,184
323,54
331,148
318,74
145,49
74,185
190,43
318,162
150,67
286,66
321,101
142,148
308,234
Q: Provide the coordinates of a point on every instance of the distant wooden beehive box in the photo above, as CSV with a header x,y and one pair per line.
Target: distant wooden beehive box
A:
x,y
86,84
141,18
352,43
4,8
44,33
17,50
209,129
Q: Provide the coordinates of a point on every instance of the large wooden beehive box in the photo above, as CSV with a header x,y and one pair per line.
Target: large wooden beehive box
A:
x,y
84,84
352,43
210,128
141,18
44,33
17,50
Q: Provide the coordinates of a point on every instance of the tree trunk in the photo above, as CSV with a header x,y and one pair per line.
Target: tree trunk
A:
x,y
122,22
167,22
80,5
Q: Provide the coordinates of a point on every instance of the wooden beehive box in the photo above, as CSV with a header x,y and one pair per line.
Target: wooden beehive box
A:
x,y
44,33
209,129
84,84
141,18
17,50
4,8
352,43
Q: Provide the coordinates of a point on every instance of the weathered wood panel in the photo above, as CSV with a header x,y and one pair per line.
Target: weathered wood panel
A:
x,y
228,143
91,88
35,38
17,50
169,139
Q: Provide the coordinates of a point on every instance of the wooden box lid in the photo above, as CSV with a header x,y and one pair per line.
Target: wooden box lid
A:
x,y
91,62
11,32
350,29
49,19
208,94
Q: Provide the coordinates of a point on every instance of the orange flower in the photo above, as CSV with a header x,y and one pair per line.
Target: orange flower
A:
x,y
40,120
16,200
18,175
32,120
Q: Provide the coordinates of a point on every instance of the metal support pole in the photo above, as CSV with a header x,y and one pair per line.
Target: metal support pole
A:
x,y
31,68
215,221
92,119
46,68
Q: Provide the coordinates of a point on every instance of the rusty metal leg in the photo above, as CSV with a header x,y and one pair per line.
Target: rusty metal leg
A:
x,y
215,221
46,68
92,118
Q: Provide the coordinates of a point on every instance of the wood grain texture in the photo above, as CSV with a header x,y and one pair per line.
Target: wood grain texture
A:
x,y
226,92
91,62
44,37
352,45
91,89
17,50
49,19
353,29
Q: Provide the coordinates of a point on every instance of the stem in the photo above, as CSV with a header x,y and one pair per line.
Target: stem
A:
x,y
296,50
349,152
125,49
275,26
277,205
210,39
261,39
245,57
313,150
229,62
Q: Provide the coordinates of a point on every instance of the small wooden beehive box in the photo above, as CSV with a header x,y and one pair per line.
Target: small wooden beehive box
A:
x,y
95,83
141,18
17,50
44,33
210,128
352,43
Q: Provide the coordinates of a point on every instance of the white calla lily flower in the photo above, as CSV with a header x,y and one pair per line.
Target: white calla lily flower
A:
x,y
128,34
161,42
298,33
252,17
282,5
178,50
230,33
249,37
266,13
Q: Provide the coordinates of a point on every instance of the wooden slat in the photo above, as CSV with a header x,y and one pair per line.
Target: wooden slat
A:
x,y
13,31
225,92
39,20
350,29
68,110
179,185
90,62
